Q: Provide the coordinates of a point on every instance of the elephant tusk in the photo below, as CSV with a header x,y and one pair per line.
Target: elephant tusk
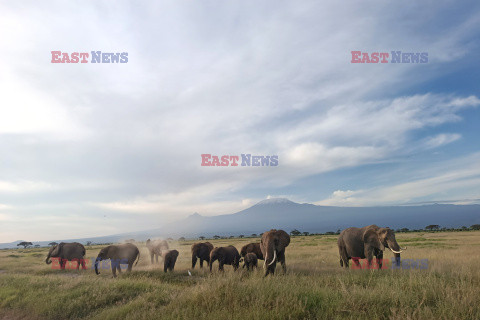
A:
x,y
274,257
396,251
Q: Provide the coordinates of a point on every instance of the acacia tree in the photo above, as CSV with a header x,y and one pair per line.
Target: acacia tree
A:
x,y
475,227
295,232
25,244
202,238
52,244
432,227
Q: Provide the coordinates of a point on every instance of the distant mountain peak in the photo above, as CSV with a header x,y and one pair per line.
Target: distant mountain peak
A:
x,y
275,201
195,215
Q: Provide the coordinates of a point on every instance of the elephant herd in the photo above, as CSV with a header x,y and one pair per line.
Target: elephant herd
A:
x,y
353,244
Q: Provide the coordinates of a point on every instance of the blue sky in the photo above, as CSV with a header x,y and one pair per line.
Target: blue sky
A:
x,y
94,149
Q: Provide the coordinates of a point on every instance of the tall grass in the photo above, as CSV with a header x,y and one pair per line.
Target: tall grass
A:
x,y
315,287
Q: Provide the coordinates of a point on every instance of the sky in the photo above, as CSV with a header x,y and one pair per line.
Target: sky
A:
x,y
97,149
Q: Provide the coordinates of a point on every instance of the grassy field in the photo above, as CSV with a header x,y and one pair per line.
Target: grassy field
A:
x,y
315,287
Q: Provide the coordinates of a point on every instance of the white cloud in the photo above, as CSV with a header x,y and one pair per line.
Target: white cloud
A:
x,y
441,139
457,180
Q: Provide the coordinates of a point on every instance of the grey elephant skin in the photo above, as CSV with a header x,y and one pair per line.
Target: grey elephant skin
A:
x,y
250,261
366,243
201,250
225,255
273,246
169,259
73,251
252,248
122,253
155,247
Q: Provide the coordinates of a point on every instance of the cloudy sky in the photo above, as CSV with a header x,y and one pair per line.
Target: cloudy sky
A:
x,y
96,149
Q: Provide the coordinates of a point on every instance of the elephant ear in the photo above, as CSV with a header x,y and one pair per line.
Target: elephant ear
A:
x,y
371,237
57,250
284,238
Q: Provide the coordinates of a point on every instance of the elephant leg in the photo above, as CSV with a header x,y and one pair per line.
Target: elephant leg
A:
x,y
151,256
220,265
356,262
165,267
114,270
130,265
82,262
379,259
201,263
281,258
63,264
156,258
194,261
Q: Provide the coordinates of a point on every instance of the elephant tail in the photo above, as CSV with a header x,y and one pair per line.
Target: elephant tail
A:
x,y
138,258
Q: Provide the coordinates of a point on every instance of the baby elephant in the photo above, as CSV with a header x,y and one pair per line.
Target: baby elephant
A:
x,y
118,254
169,259
251,261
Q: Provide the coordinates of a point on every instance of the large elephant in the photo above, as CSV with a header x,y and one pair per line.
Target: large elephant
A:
x,y
225,255
273,246
367,242
202,251
252,247
73,251
118,254
156,247
169,259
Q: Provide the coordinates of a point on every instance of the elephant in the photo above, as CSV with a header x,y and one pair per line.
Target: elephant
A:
x,y
201,250
118,254
273,244
169,259
250,261
73,251
155,247
225,255
252,247
367,242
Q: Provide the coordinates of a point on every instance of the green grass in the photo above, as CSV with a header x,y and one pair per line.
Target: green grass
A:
x,y
315,287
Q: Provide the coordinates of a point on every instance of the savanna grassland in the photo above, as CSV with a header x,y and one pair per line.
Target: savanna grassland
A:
x,y
315,287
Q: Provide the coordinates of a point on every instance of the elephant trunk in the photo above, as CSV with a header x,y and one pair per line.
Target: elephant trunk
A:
x,y
48,260
96,265
270,253
395,248
212,260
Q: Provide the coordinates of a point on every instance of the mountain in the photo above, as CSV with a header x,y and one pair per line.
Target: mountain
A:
x,y
282,213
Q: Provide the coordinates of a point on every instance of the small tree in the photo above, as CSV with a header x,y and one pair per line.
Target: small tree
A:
x,y
404,230
305,233
201,238
254,235
295,232
89,243
475,227
432,227
241,236
216,237
25,244
181,239
52,244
